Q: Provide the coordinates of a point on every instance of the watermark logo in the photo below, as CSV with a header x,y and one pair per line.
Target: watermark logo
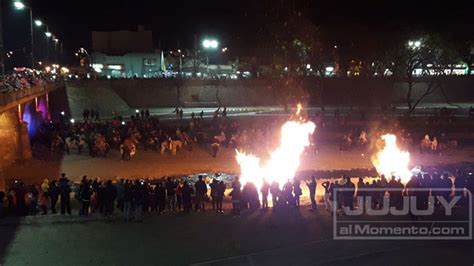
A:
x,y
395,213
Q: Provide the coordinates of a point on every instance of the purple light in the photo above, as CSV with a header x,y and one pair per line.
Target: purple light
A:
x,y
43,108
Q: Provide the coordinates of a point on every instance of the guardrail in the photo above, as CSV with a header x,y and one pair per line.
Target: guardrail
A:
x,y
13,96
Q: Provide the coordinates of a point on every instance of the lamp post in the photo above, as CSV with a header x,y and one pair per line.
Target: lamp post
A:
x,y
209,44
82,50
20,6
414,44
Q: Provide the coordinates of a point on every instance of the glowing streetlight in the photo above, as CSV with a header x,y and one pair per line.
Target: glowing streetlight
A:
x,y
38,23
210,44
414,44
19,5
48,34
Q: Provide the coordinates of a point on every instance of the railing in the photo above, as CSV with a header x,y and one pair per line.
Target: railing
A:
x,y
13,96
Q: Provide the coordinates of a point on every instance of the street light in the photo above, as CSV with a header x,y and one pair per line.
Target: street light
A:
x,y
414,44
20,6
48,34
210,44
38,23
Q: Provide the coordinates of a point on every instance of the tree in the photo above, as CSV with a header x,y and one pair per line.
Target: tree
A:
x,y
427,60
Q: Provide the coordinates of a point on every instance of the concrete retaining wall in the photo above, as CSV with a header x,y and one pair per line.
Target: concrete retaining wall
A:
x,y
119,95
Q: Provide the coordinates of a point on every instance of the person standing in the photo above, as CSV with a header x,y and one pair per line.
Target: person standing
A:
x,y
201,190
265,189
297,192
348,193
110,194
179,196
139,195
44,200
187,192
275,190
288,193
120,190
220,195
161,197
214,193
85,197
312,192
2,196
54,195
327,195
65,191
236,196
171,194
127,200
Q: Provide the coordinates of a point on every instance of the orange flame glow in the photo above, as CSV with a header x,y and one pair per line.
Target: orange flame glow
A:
x,y
283,161
391,161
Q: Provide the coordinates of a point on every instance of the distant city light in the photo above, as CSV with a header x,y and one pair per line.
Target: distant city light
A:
x,y
329,69
72,120
115,67
225,49
308,66
62,113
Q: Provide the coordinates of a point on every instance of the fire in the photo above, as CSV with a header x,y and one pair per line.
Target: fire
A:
x,y
298,108
391,161
283,161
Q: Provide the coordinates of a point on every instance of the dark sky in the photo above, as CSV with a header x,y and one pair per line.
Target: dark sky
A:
x,y
172,21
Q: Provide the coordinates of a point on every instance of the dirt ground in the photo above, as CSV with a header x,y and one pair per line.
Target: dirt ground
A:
x,y
152,164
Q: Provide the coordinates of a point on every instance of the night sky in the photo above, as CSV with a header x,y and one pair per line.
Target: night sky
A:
x,y
356,24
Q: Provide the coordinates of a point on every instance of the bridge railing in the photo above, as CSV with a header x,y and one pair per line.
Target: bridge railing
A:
x,y
9,97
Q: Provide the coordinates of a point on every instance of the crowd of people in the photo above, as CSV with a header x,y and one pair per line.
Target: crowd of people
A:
x,y
134,198
145,132
19,81
421,186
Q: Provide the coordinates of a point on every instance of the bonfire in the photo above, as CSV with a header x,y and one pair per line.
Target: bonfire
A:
x,y
391,161
284,161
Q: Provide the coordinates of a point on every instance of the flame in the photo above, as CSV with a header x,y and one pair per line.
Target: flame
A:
x,y
283,161
391,161
298,108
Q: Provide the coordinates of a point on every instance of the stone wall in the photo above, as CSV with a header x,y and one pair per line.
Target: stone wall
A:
x,y
14,140
147,93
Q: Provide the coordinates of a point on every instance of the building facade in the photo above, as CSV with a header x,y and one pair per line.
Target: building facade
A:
x,y
130,65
